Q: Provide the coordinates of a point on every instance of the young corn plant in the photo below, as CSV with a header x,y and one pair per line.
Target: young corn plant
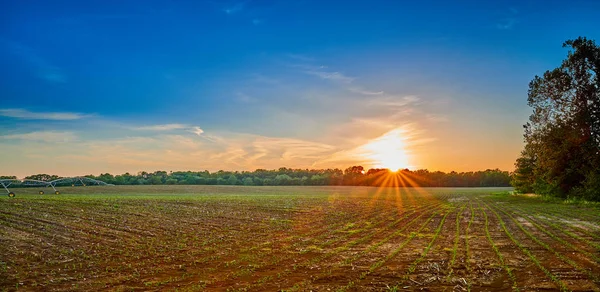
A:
x,y
506,268
561,285
550,249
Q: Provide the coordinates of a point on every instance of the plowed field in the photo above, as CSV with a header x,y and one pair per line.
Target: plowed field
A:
x,y
218,238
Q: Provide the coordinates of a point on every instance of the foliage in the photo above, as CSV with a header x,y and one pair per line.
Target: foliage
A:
x,y
562,152
43,177
352,176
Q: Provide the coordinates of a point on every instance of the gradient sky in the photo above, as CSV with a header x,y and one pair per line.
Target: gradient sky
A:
x,y
89,87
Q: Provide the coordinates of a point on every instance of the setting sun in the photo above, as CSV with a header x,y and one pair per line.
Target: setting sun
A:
x,y
388,151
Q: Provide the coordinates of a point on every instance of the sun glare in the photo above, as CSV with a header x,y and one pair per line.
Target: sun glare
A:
x,y
388,151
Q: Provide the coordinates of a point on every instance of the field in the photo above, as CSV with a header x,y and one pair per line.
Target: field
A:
x,y
194,238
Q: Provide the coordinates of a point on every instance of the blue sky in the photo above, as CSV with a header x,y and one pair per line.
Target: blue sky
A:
x,y
115,86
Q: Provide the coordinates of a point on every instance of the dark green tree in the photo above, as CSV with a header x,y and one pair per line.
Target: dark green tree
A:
x,y
43,177
562,152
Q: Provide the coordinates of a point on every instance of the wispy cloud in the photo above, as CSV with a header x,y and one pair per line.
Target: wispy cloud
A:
x,y
437,118
506,24
43,69
395,102
245,98
196,130
307,66
43,136
171,127
372,151
301,57
260,78
333,76
509,21
235,8
289,149
165,127
365,92
25,114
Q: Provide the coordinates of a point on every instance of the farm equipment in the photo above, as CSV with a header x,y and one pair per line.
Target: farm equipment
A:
x,y
73,181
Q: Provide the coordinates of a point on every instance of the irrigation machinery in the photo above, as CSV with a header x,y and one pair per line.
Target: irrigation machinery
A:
x,y
65,181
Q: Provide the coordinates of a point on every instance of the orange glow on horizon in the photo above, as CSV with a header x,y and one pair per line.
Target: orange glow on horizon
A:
x,y
388,151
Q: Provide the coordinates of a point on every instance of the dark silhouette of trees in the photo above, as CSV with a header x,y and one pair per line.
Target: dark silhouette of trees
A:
x,y
351,176
562,153
43,177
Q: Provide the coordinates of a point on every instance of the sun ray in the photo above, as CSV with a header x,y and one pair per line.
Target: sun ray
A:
x,y
398,200
385,178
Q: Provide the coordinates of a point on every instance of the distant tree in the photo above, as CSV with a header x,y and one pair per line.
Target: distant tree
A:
x,y
562,152
523,178
304,180
43,177
156,180
282,180
317,180
258,181
232,180
248,181
353,175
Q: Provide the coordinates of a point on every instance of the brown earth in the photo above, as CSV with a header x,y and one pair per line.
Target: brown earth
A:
x,y
219,238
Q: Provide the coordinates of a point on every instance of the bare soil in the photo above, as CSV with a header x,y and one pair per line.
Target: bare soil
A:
x,y
196,238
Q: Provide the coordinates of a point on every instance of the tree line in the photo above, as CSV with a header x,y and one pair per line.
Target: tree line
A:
x,y
352,176
561,157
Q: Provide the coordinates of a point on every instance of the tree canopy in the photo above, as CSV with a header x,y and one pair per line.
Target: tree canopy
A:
x,y
562,138
352,176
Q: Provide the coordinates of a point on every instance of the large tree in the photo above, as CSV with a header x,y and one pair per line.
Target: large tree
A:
x,y
562,137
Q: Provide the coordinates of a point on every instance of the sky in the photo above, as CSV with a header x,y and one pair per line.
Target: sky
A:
x,y
89,87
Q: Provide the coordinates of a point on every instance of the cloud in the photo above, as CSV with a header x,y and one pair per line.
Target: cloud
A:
x,y
509,21
43,69
43,136
395,102
25,114
165,127
260,78
245,98
333,76
380,147
288,149
437,118
172,127
196,130
257,21
506,24
365,92
301,57
234,151
235,8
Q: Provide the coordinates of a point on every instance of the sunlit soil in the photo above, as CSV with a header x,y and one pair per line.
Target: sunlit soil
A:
x,y
215,238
